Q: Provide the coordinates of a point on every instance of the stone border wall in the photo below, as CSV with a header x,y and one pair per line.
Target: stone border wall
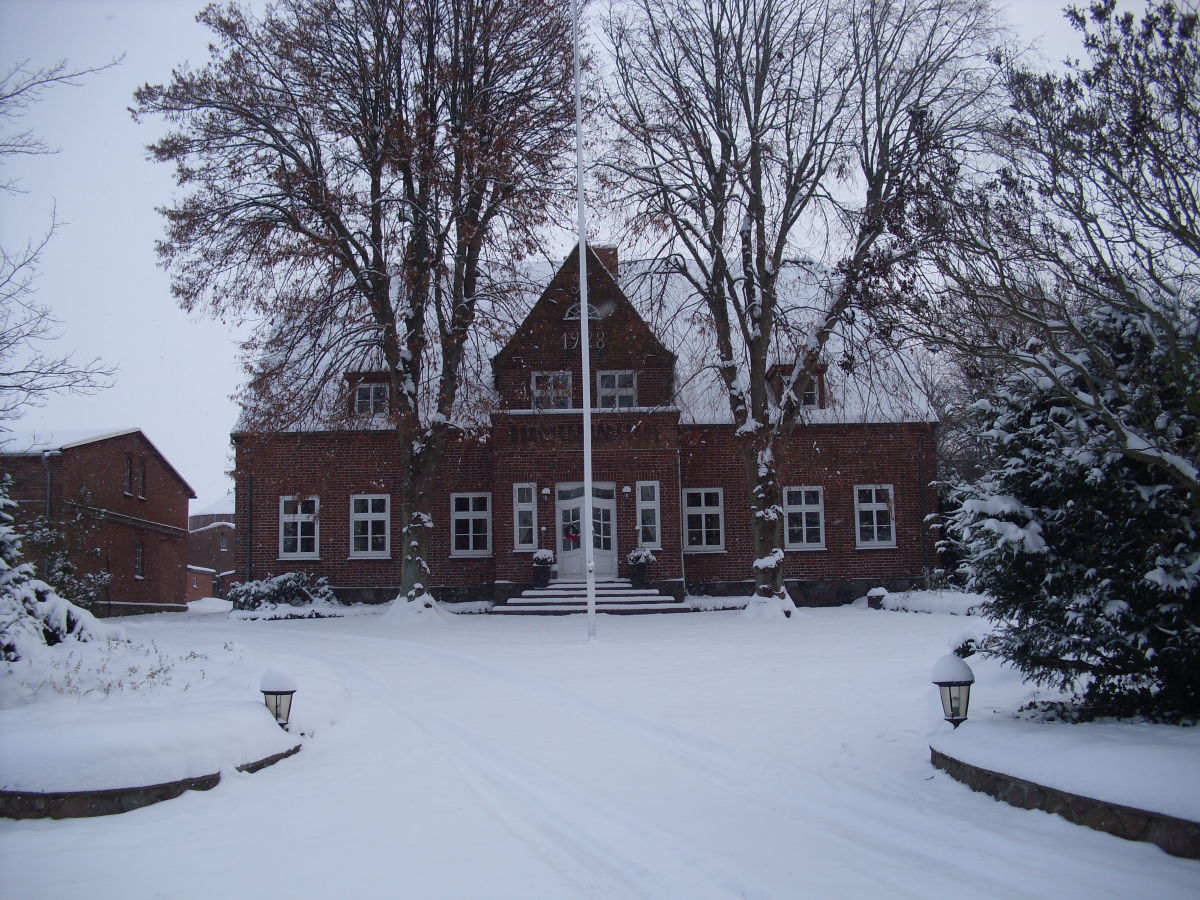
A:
x,y
83,804
1179,837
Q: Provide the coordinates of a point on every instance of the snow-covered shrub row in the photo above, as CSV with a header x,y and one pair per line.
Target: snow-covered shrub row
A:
x,y
1082,533
32,614
292,595
106,668
954,603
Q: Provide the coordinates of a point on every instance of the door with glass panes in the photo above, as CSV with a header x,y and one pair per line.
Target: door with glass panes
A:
x,y
569,522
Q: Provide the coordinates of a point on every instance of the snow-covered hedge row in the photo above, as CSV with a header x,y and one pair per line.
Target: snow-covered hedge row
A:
x,y
292,595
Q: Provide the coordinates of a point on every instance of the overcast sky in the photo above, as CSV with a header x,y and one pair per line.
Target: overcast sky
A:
x,y
99,274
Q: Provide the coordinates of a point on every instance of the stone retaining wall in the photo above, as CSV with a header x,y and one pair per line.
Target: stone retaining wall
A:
x,y
1179,837
82,804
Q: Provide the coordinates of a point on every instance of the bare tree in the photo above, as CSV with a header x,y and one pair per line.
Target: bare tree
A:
x,y
1093,202
350,164
746,126
28,372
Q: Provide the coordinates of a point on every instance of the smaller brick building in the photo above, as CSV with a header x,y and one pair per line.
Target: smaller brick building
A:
x,y
667,474
137,497
211,543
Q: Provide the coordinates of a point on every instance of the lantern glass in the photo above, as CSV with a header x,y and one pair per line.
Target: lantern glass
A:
x,y
280,704
955,699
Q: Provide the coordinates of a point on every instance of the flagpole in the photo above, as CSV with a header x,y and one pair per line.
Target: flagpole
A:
x,y
589,550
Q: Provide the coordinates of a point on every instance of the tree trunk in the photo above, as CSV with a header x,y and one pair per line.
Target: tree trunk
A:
x,y
766,507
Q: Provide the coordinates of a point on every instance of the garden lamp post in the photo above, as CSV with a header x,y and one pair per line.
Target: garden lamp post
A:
x,y
954,679
277,689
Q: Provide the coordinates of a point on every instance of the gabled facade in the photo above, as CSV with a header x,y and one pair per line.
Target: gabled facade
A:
x,y
856,492
136,496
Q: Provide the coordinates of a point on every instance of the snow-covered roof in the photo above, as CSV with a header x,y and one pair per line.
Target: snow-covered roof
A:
x,y
28,443
863,383
217,507
32,443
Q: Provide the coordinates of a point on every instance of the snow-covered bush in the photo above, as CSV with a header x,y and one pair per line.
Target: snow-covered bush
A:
x,y
291,595
1089,548
32,614
543,557
639,556
55,546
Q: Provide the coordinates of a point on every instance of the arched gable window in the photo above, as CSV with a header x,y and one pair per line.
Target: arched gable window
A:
x,y
572,313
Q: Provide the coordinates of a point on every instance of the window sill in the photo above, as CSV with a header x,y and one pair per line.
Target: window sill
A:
x,y
698,551
465,555
875,546
804,549
369,556
291,558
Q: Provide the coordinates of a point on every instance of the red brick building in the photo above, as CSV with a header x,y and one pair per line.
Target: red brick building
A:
x,y
666,471
212,543
139,500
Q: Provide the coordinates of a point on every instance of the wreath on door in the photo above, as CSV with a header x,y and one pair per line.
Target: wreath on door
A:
x,y
573,534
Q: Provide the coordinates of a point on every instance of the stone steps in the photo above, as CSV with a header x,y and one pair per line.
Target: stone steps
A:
x,y
615,597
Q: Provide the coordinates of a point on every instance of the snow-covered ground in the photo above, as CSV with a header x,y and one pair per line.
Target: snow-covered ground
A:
x,y
694,756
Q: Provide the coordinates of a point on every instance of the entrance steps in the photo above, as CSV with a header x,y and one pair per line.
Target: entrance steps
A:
x,y
615,596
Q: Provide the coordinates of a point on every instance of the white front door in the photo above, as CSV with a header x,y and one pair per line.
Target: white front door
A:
x,y
569,506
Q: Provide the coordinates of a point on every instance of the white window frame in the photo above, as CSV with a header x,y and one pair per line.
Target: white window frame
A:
x,y
873,507
375,400
371,516
802,509
470,514
300,519
531,508
139,560
615,394
550,373
702,510
656,506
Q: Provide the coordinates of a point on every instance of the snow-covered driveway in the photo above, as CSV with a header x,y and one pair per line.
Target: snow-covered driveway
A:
x,y
701,756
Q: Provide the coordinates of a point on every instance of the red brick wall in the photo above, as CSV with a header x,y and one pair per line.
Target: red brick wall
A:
x,y
628,447
154,514
835,458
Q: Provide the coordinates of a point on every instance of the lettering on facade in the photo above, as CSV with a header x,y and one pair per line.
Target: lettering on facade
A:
x,y
602,433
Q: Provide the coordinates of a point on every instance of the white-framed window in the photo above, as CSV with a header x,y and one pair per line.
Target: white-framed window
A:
x,y
551,390
471,524
649,515
139,560
804,518
370,525
371,397
524,516
299,530
128,482
873,516
703,519
810,397
616,390
141,492
224,543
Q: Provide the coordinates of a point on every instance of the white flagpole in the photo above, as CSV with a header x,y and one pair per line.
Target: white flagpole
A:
x,y
589,551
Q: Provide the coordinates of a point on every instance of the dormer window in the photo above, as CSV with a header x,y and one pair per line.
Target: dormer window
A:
x,y
371,394
616,390
808,389
551,390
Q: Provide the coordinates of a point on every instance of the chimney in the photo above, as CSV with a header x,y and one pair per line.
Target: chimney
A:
x,y
608,256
